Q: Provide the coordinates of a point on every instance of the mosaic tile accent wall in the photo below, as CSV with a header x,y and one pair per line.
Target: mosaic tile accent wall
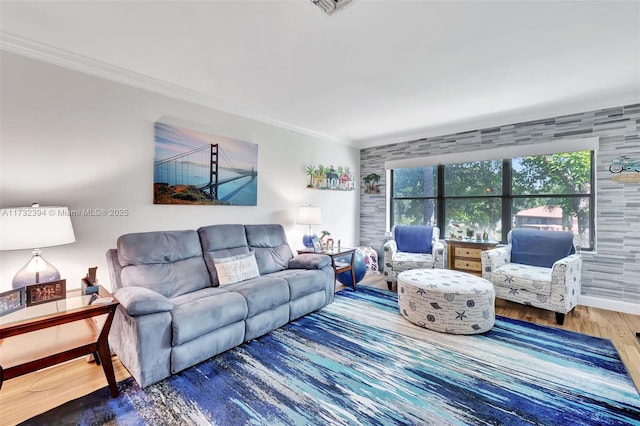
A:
x,y
613,270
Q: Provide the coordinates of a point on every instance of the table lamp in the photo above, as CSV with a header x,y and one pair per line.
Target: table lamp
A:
x,y
309,215
33,228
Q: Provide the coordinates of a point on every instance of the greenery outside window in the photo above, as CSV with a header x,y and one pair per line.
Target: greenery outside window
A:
x,y
551,191
415,195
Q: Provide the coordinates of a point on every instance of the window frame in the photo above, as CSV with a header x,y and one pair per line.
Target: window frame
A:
x,y
507,197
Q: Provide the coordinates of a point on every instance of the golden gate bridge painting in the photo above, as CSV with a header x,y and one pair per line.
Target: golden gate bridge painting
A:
x,y
194,167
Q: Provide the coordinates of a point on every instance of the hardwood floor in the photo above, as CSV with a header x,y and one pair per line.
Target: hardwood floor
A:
x,y
24,397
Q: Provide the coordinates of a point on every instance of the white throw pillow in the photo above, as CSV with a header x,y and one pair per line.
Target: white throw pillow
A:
x,y
238,268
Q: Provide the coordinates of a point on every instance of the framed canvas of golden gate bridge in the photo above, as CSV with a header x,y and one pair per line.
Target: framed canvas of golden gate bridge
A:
x,y
194,167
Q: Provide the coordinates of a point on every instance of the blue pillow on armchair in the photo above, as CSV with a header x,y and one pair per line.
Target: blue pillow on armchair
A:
x,y
413,238
540,248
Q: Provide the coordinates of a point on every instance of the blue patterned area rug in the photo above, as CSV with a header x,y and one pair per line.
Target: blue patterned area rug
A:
x,y
357,361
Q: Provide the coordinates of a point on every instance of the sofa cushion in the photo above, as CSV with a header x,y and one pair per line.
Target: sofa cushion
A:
x,y
196,295
142,301
201,316
413,238
262,293
270,244
220,241
540,248
302,282
403,261
167,262
237,268
144,248
536,279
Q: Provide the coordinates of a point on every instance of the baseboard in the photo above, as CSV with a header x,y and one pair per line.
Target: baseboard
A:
x,y
610,305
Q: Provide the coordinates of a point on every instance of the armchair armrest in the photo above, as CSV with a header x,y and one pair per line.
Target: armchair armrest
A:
x,y
390,248
437,250
138,301
493,259
566,275
573,259
309,261
567,267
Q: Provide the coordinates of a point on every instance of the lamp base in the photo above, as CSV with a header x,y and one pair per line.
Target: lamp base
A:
x,y
307,240
36,271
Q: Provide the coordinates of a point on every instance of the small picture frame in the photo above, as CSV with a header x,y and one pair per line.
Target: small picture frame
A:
x,y
12,300
46,292
91,275
317,245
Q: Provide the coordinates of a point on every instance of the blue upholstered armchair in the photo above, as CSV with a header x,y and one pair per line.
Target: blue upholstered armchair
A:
x,y
412,247
537,268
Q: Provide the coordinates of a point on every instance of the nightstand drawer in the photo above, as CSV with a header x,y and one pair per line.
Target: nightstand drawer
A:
x,y
469,265
468,252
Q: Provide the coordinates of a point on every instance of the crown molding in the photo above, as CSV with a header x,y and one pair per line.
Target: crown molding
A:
x,y
33,49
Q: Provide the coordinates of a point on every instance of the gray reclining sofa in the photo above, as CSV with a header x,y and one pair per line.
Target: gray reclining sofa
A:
x,y
174,312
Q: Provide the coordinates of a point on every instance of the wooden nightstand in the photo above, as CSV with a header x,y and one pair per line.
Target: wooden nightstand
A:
x,y
465,255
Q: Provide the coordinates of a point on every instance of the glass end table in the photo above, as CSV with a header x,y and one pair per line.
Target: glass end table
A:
x,y
338,267
50,333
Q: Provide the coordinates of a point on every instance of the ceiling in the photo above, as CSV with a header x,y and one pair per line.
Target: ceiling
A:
x,y
379,71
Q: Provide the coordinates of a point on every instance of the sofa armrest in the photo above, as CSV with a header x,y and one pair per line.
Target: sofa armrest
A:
x,y
494,258
138,301
309,261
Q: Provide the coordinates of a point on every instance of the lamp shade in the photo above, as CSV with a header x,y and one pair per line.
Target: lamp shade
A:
x,y
35,227
309,215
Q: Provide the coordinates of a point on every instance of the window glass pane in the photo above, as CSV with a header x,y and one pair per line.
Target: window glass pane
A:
x,y
414,212
547,191
415,182
476,215
475,178
564,173
555,214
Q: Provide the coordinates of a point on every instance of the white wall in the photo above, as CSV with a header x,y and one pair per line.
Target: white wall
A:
x,y
71,139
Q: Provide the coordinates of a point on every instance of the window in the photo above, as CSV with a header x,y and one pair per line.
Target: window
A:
x,y
553,192
415,191
550,191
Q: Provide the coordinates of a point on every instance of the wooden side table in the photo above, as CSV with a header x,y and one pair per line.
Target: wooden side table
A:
x,y
51,333
339,267
466,255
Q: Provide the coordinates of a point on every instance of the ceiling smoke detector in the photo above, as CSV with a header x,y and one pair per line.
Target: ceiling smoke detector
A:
x,y
331,6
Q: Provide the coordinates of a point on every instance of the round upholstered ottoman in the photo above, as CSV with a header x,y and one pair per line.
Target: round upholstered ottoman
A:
x,y
447,301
